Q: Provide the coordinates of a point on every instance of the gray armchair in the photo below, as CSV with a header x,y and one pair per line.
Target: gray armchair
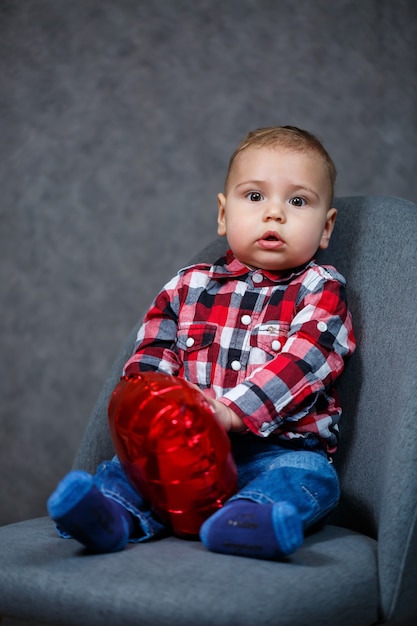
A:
x,y
361,569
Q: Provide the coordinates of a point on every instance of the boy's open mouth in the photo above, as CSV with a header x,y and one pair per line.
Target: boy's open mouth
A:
x,y
270,240
271,235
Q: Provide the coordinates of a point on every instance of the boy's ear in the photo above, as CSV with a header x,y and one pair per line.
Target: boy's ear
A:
x,y
221,217
328,228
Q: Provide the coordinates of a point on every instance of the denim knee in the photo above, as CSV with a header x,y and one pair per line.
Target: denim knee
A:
x,y
306,479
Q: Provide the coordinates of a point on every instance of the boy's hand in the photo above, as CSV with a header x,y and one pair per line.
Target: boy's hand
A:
x,y
230,421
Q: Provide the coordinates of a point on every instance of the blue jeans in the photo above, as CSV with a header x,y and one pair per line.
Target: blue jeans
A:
x,y
268,471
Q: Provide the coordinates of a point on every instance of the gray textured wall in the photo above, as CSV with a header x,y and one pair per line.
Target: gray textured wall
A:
x,y
117,118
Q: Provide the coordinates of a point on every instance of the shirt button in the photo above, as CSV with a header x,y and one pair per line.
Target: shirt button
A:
x,y
257,278
246,319
235,366
190,342
275,345
322,327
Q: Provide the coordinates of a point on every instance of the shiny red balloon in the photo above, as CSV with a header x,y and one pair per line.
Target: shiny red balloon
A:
x,y
172,448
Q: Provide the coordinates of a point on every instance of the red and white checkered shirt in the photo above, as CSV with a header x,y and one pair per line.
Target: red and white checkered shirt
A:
x,y
269,345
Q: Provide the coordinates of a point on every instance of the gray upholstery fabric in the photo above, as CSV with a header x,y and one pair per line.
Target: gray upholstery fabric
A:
x,y
172,581
361,567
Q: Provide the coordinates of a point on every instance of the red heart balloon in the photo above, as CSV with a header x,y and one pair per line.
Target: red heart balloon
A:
x,y
172,448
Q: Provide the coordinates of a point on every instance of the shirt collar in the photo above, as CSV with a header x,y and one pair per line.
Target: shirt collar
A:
x,y
228,267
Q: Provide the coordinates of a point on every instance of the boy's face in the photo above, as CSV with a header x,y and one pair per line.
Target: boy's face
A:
x,y
275,209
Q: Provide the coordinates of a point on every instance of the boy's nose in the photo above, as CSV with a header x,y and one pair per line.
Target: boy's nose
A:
x,y
275,211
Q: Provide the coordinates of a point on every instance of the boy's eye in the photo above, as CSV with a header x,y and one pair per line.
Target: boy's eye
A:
x,y
297,201
255,196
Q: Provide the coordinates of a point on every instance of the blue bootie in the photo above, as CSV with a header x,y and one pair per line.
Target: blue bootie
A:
x,y
261,531
86,514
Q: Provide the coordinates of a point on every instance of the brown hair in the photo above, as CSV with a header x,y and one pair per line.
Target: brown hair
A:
x,y
289,137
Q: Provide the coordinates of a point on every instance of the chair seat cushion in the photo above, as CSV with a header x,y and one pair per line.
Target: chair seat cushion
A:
x,y
331,580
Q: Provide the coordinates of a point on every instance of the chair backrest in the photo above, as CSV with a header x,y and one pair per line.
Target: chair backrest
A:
x,y
374,247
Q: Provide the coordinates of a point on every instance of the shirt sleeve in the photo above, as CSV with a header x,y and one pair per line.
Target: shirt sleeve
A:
x,y
288,386
155,342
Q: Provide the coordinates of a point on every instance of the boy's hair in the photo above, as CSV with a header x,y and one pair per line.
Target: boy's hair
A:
x,y
289,137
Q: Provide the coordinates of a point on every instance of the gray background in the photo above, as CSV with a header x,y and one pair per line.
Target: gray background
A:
x,y
117,119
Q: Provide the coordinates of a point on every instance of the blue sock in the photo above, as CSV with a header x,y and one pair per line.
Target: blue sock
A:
x,y
82,511
261,531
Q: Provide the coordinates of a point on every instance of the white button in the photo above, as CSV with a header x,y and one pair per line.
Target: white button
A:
x,y
235,366
275,345
246,319
190,342
257,278
322,327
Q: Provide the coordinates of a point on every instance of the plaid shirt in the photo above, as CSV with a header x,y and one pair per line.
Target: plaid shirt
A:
x,y
268,345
